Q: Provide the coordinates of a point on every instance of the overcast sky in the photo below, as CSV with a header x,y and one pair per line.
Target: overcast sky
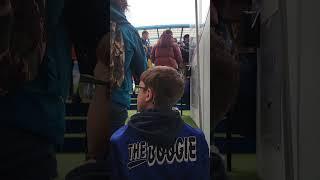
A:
x,y
159,12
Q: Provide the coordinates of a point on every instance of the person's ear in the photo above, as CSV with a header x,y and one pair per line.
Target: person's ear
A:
x,y
149,95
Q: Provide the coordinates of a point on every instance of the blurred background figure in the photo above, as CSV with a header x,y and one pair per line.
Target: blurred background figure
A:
x,y
166,52
147,47
185,49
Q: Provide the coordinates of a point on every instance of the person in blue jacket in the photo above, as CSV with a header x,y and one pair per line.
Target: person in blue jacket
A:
x,y
156,144
32,119
146,43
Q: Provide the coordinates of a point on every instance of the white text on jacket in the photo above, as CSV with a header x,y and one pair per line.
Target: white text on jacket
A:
x,y
183,150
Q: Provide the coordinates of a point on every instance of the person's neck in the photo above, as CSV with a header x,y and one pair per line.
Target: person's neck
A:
x,y
149,106
166,109
158,108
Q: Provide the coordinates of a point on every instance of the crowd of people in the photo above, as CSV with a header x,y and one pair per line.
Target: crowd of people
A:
x,y
155,144
167,51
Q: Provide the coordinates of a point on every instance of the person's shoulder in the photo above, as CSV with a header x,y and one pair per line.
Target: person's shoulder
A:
x,y
175,44
119,134
128,28
193,130
196,133
130,34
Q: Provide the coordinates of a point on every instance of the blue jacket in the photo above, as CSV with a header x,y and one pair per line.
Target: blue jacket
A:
x,y
135,58
39,106
159,146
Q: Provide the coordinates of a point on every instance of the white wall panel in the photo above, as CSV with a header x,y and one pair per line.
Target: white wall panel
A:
x,y
200,81
301,38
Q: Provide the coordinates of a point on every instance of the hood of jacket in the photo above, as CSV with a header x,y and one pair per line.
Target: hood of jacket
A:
x,y
117,15
157,127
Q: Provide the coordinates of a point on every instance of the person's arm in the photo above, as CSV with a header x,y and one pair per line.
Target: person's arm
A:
x,y
97,122
206,162
153,53
149,51
139,59
116,163
178,56
203,166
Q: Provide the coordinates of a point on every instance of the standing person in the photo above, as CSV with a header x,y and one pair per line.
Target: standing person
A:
x,y
135,64
166,52
32,117
226,78
108,109
146,44
185,49
156,143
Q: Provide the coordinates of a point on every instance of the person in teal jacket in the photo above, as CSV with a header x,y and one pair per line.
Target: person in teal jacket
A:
x,y
135,62
135,65
32,119
104,118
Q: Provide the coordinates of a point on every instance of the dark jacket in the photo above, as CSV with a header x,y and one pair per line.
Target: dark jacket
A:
x,y
39,106
87,31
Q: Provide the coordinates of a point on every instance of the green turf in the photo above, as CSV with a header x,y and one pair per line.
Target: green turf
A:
x,y
66,162
243,167
188,120
131,112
